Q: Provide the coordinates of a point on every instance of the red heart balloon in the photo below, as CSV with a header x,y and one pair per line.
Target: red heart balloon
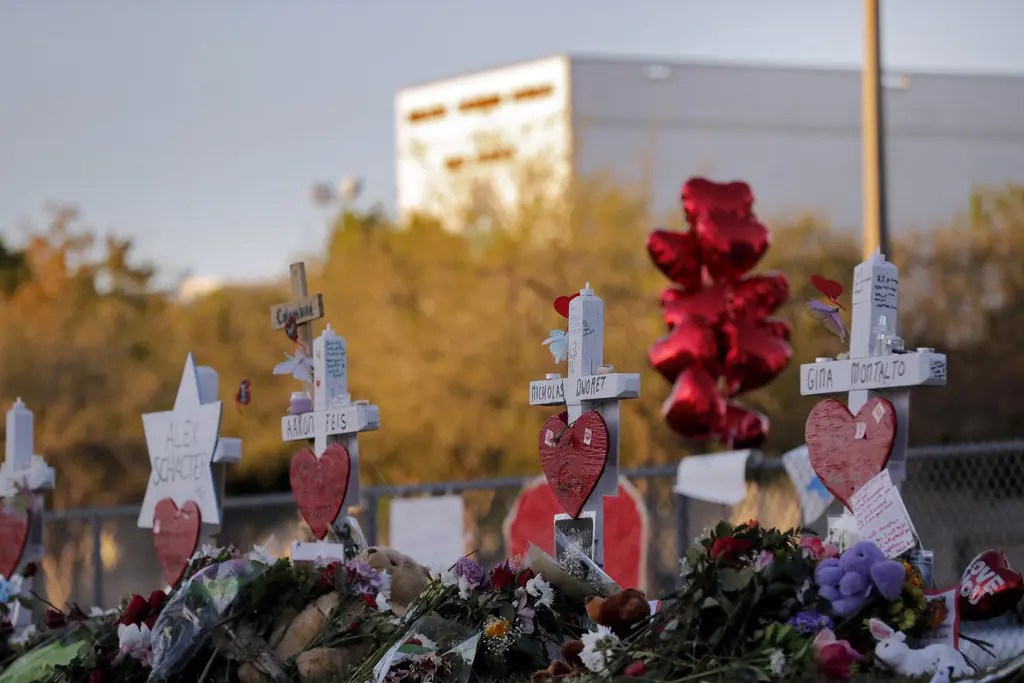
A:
x,y
320,485
989,587
730,244
176,535
689,342
701,195
755,357
776,327
694,405
710,305
677,255
846,451
14,526
757,296
742,427
574,457
562,304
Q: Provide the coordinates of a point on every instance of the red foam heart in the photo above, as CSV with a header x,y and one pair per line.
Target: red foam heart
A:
x,y
731,244
677,255
701,195
14,526
847,451
574,457
755,356
710,304
562,304
690,342
320,485
694,405
757,296
989,587
176,535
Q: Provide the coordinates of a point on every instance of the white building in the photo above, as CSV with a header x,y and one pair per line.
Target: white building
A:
x,y
792,133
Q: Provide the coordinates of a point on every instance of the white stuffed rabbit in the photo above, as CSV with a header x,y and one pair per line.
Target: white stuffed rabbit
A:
x,y
892,649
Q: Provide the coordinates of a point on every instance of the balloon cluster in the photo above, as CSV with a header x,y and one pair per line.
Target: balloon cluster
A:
x,y
720,332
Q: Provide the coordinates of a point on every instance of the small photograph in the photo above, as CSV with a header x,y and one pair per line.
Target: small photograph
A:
x,y
574,545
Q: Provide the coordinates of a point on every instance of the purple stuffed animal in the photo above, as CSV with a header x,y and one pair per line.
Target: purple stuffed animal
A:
x,y
847,582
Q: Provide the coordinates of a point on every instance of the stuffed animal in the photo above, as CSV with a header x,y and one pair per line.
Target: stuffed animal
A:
x,y
408,579
847,582
892,649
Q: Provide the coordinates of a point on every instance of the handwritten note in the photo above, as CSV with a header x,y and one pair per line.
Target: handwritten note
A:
x,y
948,631
882,517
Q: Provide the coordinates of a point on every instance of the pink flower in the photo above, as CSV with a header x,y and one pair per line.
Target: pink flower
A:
x,y
834,656
764,558
813,547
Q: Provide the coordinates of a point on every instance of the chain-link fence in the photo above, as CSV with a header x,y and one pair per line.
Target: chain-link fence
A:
x,y
964,499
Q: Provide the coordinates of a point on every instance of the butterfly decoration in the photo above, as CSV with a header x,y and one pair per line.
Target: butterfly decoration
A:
x,y
299,366
829,316
291,328
244,394
559,345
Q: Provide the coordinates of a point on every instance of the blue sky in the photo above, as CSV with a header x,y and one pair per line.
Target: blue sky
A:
x,y
197,127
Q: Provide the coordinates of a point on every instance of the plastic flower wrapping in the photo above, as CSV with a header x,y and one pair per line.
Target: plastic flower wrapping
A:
x,y
432,650
196,607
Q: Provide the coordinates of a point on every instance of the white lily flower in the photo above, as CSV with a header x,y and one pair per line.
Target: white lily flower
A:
x,y
135,641
541,590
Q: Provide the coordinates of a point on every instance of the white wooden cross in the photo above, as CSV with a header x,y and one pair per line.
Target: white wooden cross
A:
x,y
24,469
872,368
590,385
187,454
302,307
335,418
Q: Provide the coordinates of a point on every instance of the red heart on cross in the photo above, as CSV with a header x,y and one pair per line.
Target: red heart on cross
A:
x,y
562,304
847,451
574,457
320,485
14,525
176,535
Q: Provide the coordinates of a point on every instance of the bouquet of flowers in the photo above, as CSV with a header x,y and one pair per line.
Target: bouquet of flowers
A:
x,y
434,650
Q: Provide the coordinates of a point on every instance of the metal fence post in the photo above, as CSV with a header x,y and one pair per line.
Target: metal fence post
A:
x,y
371,516
682,504
96,525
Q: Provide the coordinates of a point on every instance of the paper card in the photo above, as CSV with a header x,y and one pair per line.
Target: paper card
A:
x,y
814,497
317,551
717,478
948,631
429,530
542,563
882,517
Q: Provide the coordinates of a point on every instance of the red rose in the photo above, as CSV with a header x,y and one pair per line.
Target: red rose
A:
x,y
157,600
76,614
353,626
151,620
637,668
500,578
96,676
414,641
728,548
524,577
369,601
54,619
836,659
29,570
136,611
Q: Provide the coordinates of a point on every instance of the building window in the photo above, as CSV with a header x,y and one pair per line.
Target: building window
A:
x,y
533,92
421,115
484,103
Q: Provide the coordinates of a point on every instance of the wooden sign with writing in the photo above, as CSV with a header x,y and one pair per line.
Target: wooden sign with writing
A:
x,y
574,457
320,485
305,310
176,535
847,451
14,526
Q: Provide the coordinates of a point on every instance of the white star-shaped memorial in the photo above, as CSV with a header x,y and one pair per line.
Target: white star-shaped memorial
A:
x,y
181,445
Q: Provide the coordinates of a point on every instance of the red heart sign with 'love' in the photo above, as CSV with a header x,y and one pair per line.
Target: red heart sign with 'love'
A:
x,y
573,457
989,587
14,525
176,535
320,485
847,451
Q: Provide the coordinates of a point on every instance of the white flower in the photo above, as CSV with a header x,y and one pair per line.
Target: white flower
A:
x,y
541,590
777,662
100,612
447,577
704,535
465,589
259,554
204,551
597,646
804,592
135,641
382,602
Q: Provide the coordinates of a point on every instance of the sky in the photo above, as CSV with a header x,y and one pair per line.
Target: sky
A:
x,y
197,127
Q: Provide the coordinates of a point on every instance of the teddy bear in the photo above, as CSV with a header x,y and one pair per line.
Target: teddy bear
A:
x,y
294,631
620,612
847,582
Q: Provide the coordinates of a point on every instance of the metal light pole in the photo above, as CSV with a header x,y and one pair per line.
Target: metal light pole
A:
x,y
875,214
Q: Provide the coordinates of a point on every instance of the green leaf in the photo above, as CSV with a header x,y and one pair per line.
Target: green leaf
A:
x,y
717,636
723,529
710,602
729,580
693,557
412,649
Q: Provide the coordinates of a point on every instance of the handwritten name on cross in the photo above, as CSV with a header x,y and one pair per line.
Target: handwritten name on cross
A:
x,y
303,307
335,418
24,469
587,387
873,367
187,454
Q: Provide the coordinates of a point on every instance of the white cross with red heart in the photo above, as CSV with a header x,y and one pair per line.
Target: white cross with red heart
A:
x,y
581,457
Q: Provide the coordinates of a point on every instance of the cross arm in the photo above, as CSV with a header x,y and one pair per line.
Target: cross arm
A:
x,y
610,387
359,417
874,373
